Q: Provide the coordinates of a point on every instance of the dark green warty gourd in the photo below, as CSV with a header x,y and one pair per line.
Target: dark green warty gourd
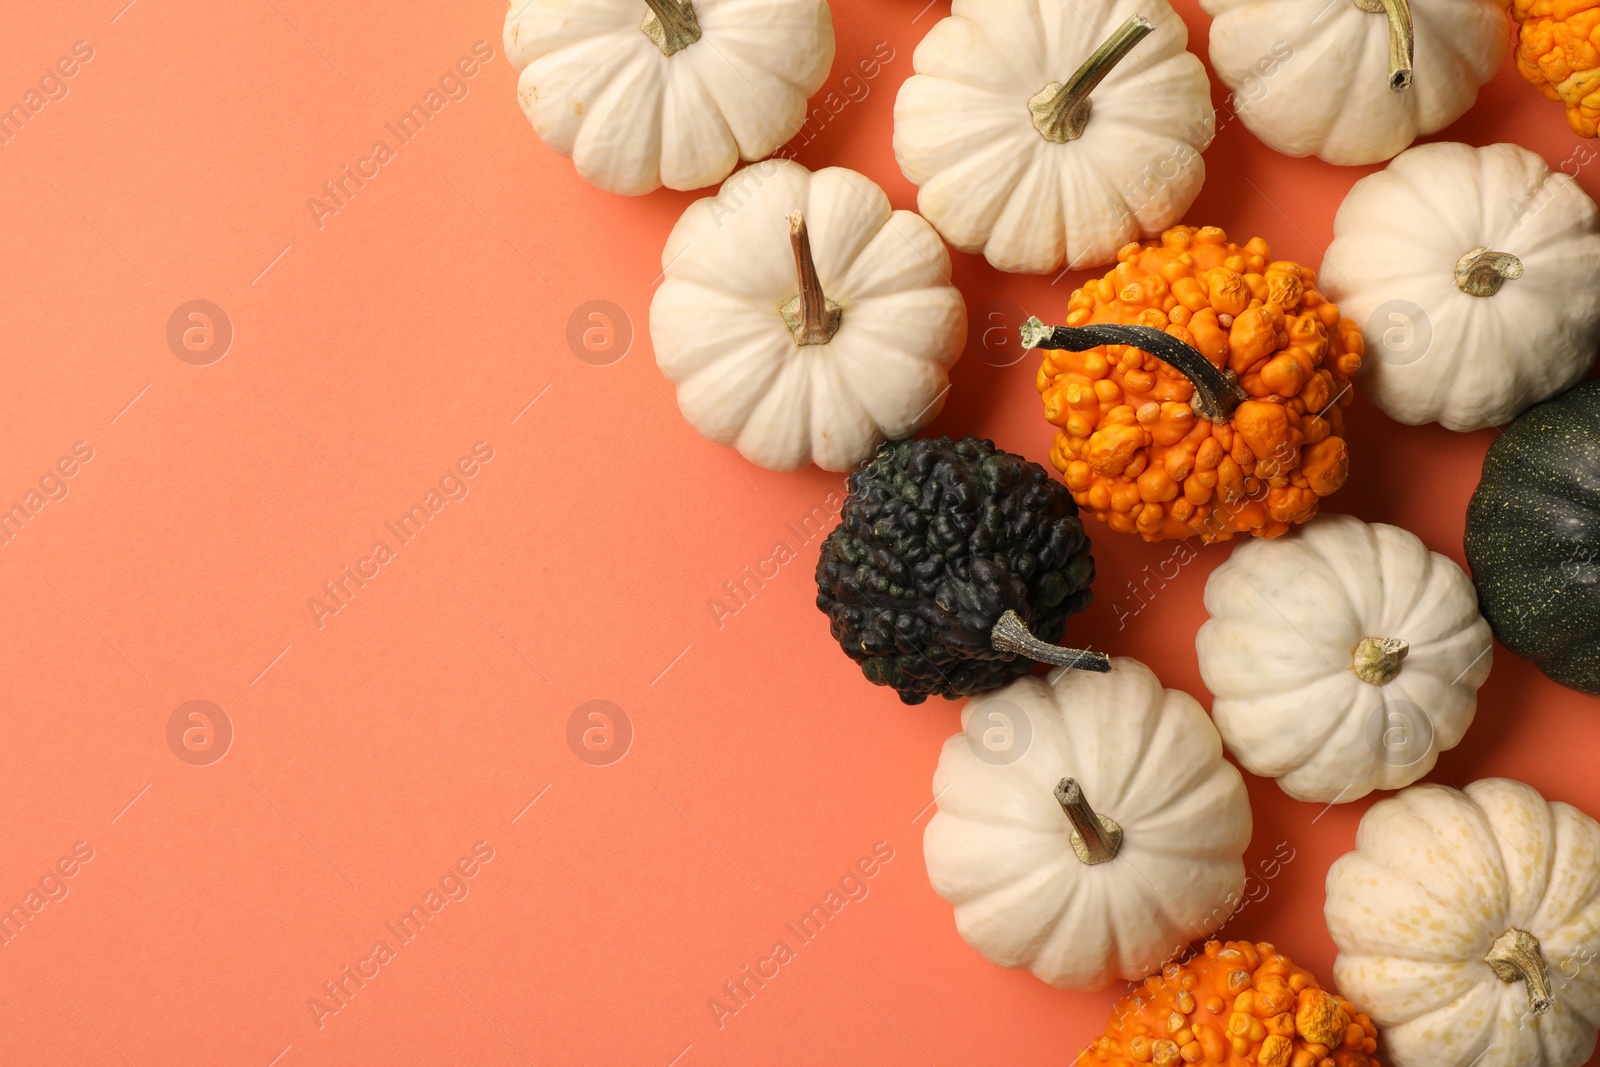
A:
x,y
953,565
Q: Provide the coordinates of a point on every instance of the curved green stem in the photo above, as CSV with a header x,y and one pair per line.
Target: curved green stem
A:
x,y
1217,392
1060,112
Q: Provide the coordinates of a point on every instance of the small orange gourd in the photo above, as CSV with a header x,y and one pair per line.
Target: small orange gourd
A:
x,y
1198,389
1238,1005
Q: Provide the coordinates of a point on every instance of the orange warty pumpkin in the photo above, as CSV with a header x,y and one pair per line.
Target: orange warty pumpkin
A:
x,y
1240,1005
1236,427
1556,54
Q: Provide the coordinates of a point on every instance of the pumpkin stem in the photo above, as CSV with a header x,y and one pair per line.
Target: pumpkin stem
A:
x,y
1515,957
812,317
671,25
1481,272
1377,659
1402,39
1060,112
1216,391
1011,634
1095,838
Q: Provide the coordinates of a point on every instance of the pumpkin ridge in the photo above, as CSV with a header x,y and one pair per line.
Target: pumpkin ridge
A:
x,y
1349,565
1085,179
752,134
601,60
852,290
1430,646
1012,164
1333,74
1407,870
1229,710
739,409
717,20
1059,938
1045,885
1153,818
1135,686
1552,852
1151,825
938,145
791,392
633,92
623,31
1350,963
1033,209
755,334
830,209
1291,624
1046,875
961,31
1563,821
1252,681
695,86
1409,573
1486,1000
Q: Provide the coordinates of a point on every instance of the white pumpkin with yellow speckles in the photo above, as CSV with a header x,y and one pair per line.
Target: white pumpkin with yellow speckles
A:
x,y
646,93
1468,927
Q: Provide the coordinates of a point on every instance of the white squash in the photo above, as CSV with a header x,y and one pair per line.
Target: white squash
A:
x,y
1472,273
1468,927
996,128
1104,839
1353,81
803,319
1343,658
645,93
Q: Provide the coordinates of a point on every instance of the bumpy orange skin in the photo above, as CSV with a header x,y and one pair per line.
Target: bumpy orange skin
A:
x,y
1239,1005
1130,447
1557,51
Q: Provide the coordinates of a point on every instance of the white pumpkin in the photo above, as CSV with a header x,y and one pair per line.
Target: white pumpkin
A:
x,y
1472,273
1088,826
1343,658
1353,81
803,319
645,93
1468,927
997,129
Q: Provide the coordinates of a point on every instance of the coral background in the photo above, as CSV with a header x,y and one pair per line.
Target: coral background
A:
x,y
369,754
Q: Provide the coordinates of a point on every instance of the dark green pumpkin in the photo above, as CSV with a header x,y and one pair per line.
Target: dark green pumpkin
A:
x,y
1533,538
